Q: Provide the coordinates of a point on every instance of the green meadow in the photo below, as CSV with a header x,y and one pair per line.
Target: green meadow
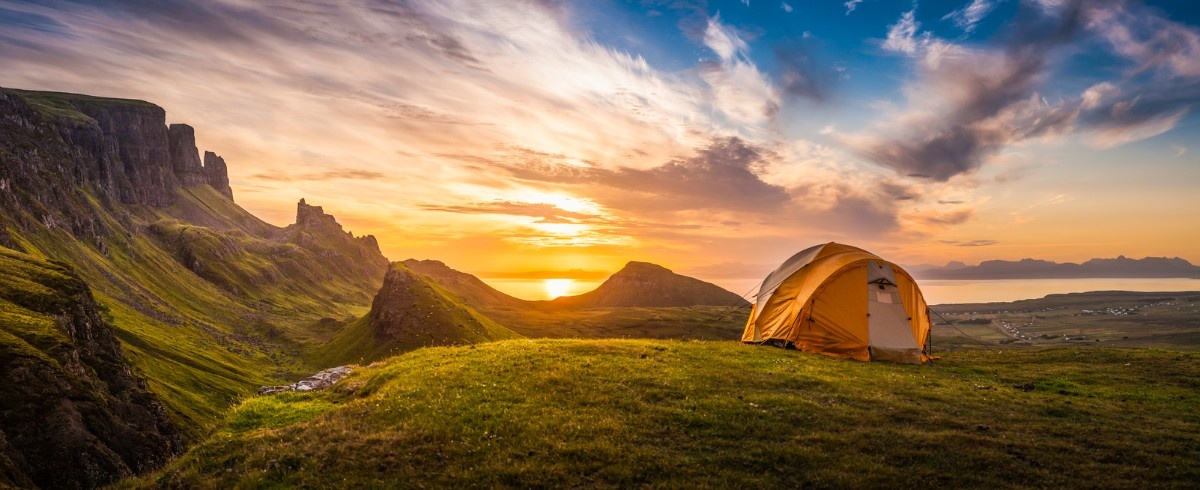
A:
x,y
655,413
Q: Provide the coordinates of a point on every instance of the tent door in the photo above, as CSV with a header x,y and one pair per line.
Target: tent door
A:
x,y
889,328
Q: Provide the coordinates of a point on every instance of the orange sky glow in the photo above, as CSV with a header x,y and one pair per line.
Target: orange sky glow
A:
x,y
516,139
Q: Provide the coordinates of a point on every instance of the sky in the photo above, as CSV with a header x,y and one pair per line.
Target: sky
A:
x,y
530,138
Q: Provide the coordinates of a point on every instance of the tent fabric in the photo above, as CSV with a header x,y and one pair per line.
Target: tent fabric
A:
x,y
842,301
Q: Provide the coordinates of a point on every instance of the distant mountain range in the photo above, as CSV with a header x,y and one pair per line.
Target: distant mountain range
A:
x,y
1120,267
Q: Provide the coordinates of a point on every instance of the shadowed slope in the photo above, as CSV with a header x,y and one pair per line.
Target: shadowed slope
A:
x,y
71,410
409,312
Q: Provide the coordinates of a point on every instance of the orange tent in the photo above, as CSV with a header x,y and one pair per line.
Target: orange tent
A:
x,y
842,301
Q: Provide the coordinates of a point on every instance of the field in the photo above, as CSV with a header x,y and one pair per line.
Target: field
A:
x,y
1096,319
621,413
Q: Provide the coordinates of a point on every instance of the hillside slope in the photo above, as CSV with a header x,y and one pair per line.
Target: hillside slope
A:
x,y
71,410
409,312
646,284
208,301
609,413
471,289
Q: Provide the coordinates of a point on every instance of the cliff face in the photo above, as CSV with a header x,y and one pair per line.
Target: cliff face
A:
x,y
72,413
217,174
121,149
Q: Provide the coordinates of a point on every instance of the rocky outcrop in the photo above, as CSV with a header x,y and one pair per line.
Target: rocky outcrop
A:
x,y
217,174
185,158
319,381
321,234
646,284
72,413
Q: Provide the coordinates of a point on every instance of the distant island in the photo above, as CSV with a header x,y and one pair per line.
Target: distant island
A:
x,y
1120,267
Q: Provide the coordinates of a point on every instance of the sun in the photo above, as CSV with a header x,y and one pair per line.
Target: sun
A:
x,y
558,287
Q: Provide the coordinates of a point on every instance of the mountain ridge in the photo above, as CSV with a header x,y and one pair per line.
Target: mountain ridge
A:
x,y
1119,267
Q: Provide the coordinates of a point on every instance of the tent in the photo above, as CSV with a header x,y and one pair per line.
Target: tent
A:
x,y
841,301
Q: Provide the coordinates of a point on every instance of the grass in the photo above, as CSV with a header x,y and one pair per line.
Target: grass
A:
x,y
202,345
685,323
60,105
432,316
621,413
30,290
1098,319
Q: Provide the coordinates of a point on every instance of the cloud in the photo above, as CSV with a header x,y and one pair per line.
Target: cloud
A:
x,y
967,17
547,212
720,176
970,243
901,36
851,5
800,74
967,104
344,174
786,8
738,89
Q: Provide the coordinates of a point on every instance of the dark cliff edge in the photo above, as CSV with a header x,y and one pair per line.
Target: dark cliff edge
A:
x,y
72,411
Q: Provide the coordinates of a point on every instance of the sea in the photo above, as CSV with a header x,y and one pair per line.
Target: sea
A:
x,y
936,291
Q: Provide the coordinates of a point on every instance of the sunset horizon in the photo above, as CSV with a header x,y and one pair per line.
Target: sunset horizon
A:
x,y
713,138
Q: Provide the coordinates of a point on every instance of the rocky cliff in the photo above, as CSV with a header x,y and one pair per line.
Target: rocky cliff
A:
x,y
646,284
321,233
122,149
72,412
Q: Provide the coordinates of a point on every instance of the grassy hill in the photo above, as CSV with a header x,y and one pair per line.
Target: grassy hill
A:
x,y
620,413
409,312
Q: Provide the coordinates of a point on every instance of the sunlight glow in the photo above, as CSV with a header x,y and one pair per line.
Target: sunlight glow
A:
x,y
558,287
564,202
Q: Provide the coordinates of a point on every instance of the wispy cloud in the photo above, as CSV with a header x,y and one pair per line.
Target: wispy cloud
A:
x,y
971,243
851,5
347,174
967,17
738,89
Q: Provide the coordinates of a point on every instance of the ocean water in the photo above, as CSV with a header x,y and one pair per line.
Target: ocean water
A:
x,y
937,291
